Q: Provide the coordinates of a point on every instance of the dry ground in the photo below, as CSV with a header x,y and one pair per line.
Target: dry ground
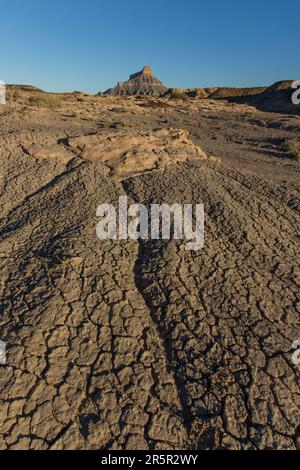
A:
x,y
143,345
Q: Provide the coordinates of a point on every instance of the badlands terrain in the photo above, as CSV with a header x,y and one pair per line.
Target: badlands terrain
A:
x,y
142,344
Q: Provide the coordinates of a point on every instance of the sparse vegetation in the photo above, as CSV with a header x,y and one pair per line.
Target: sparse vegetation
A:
x,y
293,148
44,101
12,94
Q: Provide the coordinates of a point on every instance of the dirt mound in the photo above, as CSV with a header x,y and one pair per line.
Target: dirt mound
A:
x,y
140,83
284,85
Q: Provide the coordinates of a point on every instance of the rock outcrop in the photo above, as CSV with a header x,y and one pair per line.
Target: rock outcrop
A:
x,y
191,92
140,83
128,153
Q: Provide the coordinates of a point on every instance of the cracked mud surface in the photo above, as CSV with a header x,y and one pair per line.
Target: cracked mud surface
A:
x,y
141,344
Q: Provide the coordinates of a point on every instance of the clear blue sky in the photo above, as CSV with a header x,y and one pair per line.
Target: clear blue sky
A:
x,y
89,45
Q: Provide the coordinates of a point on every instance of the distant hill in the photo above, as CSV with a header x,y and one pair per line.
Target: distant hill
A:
x,y
229,92
25,88
275,98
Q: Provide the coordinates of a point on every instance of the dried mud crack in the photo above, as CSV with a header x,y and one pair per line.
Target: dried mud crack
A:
x,y
142,344
216,309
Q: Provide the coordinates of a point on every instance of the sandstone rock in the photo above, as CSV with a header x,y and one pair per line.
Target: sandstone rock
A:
x,y
124,154
140,83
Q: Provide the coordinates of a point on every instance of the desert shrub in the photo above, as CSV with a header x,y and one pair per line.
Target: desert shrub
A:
x,y
292,146
44,101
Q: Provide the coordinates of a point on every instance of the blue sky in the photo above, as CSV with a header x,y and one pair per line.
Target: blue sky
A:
x,y
67,45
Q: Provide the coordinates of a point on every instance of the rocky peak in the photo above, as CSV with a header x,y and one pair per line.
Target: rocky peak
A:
x,y
140,83
147,70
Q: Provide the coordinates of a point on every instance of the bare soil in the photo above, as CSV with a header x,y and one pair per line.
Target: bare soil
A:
x,y
141,344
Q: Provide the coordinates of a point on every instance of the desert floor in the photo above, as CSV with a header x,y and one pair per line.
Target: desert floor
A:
x,y
142,344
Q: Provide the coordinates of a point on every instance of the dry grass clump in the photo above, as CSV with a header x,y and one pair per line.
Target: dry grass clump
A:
x,y
293,148
44,101
12,94
41,100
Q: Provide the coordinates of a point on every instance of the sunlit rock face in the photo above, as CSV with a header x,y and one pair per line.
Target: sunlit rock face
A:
x,y
140,83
